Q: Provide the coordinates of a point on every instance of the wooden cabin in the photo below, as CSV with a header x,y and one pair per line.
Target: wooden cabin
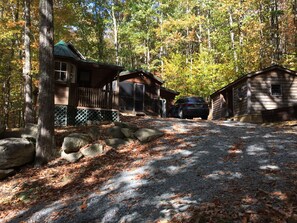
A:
x,y
248,97
139,92
83,88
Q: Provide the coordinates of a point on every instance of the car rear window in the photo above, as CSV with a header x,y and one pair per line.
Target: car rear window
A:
x,y
195,100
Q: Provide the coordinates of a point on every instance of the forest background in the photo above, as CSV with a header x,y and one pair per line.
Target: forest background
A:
x,y
196,46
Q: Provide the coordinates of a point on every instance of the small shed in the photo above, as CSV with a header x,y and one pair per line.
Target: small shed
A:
x,y
247,97
83,88
139,92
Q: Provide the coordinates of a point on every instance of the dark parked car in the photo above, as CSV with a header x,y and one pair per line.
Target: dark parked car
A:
x,y
190,107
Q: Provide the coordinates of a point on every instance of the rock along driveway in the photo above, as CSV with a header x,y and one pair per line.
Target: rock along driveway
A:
x,y
236,166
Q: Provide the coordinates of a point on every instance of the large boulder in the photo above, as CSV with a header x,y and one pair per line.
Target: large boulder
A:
x,y
126,125
115,132
75,141
94,133
116,142
93,150
71,157
6,173
29,132
15,152
128,133
147,135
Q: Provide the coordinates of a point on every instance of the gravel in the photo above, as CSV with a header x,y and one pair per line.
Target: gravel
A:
x,y
204,161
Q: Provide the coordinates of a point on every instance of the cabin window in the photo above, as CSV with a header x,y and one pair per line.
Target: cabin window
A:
x,y
64,72
276,90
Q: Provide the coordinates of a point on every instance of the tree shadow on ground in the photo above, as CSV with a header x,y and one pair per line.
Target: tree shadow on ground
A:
x,y
199,170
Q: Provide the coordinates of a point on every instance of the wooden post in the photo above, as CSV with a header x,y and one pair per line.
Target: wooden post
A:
x,y
158,103
249,96
106,96
117,93
110,95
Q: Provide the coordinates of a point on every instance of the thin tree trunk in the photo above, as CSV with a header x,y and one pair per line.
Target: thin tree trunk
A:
x,y
275,32
45,138
99,31
208,31
232,38
161,47
262,47
115,34
6,100
28,114
294,11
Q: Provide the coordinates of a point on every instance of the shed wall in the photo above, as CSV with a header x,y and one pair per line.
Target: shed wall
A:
x,y
262,99
218,106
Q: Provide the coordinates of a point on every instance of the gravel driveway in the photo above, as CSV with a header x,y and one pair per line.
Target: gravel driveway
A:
x,y
198,165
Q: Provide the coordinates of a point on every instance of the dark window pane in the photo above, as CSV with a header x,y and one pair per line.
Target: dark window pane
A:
x,y
64,67
276,89
63,76
126,89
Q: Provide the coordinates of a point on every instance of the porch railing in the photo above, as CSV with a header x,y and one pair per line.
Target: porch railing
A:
x,y
95,98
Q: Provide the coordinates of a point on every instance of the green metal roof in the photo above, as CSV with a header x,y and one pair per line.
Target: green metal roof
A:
x,y
64,49
67,50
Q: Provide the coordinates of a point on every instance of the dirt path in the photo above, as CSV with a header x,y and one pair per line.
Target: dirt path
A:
x,y
212,171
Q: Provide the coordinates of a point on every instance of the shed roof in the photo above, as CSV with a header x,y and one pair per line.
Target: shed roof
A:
x,y
252,74
169,90
141,71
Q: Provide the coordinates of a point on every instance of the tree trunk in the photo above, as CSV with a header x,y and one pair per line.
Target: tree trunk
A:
x,y
294,11
232,38
115,34
275,32
28,114
6,100
208,31
262,40
45,137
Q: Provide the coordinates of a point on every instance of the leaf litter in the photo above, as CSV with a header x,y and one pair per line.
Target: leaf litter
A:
x,y
60,180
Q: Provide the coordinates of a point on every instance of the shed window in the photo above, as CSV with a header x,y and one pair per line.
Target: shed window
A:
x,y
276,90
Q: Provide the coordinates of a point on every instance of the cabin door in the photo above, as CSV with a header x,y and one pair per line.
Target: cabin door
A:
x,y
139,97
